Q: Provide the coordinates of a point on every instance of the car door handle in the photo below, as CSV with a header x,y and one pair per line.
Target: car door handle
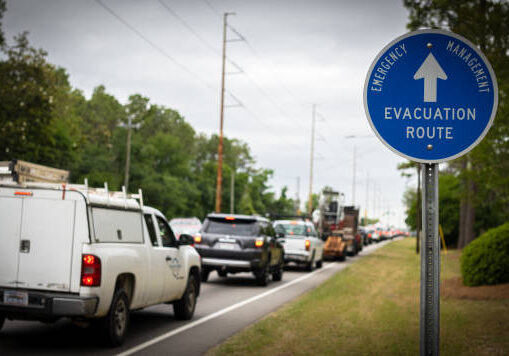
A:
x,y
168,258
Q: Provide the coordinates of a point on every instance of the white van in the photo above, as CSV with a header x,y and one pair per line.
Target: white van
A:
x,y
71,251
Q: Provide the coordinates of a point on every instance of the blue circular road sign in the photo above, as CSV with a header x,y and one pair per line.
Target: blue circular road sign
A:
x,y
430,96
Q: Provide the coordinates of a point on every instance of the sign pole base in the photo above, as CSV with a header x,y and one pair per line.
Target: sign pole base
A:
x,y
430,264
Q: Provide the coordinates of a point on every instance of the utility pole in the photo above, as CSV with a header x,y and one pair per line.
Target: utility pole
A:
x,y
297,197
354,169
219,180
310,201
232,193
367,198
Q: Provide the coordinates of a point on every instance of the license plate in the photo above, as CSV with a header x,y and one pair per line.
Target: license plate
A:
x,y
15,298
226,246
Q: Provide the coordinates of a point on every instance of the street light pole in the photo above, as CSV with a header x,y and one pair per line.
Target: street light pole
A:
x,y
310,201
128,153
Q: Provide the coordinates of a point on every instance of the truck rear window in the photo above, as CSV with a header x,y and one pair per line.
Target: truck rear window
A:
x,y
231,227
295,229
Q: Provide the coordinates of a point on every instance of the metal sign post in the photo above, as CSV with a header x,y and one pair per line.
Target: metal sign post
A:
x,y
430,264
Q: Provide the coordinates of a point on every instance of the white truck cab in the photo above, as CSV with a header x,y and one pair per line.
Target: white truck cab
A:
x,y
71,251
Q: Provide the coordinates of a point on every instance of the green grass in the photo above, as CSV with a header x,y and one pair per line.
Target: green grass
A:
x,y
372,308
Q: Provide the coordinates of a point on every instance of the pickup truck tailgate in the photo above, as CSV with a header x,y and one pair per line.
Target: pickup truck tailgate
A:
x,y
294,244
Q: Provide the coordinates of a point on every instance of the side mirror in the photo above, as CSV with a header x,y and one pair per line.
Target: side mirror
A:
x,y
185,240
280,235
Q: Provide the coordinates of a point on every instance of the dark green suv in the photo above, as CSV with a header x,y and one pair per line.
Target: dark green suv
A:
x,y
240,243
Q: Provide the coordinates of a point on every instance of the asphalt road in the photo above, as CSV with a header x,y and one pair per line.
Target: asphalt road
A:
x,y
225,306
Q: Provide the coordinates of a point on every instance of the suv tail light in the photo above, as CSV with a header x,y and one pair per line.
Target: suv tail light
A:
x,y
307,244
90,271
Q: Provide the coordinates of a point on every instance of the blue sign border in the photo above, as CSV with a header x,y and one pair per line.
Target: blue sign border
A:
x,y
474,49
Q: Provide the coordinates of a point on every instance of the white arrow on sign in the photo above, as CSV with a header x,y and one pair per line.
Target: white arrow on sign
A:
x,y
430,71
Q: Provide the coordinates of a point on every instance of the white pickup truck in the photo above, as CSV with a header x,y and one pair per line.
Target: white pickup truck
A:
x,y
300,242
90,254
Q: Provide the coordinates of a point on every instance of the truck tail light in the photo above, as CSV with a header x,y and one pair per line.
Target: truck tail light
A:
x,y
90,271
259,243
307,244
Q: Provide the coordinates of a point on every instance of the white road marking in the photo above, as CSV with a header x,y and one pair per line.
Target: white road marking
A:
x,y
221,312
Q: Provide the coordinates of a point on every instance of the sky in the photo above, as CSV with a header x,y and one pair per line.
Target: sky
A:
x,y
291,55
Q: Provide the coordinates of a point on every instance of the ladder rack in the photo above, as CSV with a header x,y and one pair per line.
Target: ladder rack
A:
x,y
113,198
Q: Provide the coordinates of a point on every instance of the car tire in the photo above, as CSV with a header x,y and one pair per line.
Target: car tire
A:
x,y
184,307
342,258
319,264
205,275
2,320
311,264
115,324
223,274
262,277
277,275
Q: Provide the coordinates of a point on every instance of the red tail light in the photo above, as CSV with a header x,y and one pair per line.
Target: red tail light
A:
x,y
369,235
259,243
90,271
307,244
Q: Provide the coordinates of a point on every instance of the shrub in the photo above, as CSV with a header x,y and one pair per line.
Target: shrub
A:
x,y
485,260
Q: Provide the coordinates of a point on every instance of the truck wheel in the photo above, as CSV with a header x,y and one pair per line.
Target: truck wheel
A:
x,y
319,264
342,258
115,324
277,275
205,275
184,307
262,277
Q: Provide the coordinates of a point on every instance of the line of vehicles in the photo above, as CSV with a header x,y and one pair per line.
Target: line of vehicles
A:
x,y
94,256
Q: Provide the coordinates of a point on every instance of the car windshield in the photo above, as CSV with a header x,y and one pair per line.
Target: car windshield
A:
x,y
231,227
294,229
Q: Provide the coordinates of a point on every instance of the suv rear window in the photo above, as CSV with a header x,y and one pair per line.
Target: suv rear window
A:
x,y
231,227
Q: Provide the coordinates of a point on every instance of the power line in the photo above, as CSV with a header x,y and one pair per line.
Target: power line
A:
x,y
189,28
268,96
155,46
240,70
214,10
237,102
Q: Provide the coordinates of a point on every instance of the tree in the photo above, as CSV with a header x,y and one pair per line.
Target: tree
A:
x,y
449,201
482,172
418,213
36,122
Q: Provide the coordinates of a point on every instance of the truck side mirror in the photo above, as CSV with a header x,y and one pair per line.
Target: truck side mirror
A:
x,y
185,240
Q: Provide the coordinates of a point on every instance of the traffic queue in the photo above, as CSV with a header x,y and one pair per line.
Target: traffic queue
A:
x,y
106,253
